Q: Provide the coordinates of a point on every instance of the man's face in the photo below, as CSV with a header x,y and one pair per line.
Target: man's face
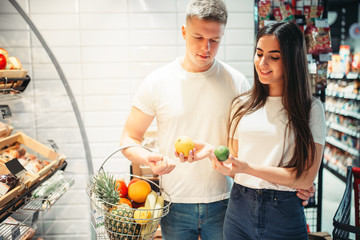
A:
x,y
202,43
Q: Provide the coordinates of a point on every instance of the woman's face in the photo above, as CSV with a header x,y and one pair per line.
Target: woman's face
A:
x,y
268,64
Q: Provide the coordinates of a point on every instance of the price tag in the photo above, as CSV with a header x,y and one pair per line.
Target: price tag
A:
x,y
325,57
53,145
15,168
321,23
35,218
352,75
309,57
3,188
5,111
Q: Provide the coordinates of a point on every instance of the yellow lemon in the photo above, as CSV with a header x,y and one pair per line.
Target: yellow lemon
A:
x,y
142,215
183,145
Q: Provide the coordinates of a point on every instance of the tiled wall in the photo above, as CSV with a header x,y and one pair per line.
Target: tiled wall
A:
x,y
105,48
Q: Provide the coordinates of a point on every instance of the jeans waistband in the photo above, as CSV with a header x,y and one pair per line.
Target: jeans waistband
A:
x,y
265,192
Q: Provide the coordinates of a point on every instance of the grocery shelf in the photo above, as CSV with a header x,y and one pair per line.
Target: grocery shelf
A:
x,y
12,88
341,145
343,129
13,231
343,112
23,199
346,95
333,169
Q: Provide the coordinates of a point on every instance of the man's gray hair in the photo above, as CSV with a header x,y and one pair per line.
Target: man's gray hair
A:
x,y
209,10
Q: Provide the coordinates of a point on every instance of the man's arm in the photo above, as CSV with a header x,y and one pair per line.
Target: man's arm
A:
x,y
135,127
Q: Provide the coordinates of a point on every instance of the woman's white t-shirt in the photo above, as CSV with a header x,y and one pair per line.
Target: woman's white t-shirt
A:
x,y
261,137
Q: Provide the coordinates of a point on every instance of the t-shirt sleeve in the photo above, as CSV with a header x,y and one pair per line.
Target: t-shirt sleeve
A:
x,y
245,85
317,122
144,98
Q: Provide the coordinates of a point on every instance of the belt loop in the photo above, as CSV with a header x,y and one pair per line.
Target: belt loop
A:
x,y
272,194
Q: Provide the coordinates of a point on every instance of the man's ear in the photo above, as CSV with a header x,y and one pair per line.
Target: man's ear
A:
x,y
183,31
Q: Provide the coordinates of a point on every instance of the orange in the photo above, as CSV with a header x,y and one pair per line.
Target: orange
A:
x,y
139,190
126,201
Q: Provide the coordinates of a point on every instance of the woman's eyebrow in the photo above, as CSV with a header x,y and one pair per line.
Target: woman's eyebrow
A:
x,y
272,51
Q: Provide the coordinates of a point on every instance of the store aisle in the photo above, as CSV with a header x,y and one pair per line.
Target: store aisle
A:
x,y
333,189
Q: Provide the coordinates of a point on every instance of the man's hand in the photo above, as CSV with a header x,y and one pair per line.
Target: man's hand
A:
x,y
200,151
305,194
160,164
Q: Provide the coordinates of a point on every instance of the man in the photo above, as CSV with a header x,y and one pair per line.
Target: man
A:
x,y
190,96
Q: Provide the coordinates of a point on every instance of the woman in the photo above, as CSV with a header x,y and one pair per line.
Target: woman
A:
x,y
276,141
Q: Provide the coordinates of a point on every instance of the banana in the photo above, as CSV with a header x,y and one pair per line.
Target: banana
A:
x,y
151,200
158,207
156,203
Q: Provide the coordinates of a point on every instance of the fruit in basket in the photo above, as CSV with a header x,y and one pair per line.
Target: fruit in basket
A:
x,y
3,62
139,190
222,153
121,187
120,223
151,200
183,145
137,205
126,201
133,180
104,188
142,215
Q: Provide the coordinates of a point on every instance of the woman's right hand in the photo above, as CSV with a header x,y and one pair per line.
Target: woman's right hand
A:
x,y
160,164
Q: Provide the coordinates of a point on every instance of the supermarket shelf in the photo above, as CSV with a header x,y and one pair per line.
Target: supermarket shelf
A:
x,y
352,96
13,231
19,201
343,129
339,144
343,112
12,88
333,170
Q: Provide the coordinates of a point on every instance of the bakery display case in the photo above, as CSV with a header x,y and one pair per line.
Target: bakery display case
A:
x,y
32,176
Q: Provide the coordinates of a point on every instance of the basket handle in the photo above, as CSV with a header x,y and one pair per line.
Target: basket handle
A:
x,y
120,149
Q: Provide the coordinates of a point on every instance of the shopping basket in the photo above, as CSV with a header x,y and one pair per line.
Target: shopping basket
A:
x,y
119,221
341,220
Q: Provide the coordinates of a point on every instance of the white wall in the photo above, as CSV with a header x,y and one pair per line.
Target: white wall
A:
x,y
105,48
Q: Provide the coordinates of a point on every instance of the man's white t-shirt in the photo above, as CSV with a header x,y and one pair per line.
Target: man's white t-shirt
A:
x,y
261,138
196,105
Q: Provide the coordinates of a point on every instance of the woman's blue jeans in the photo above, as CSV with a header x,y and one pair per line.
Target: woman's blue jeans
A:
x,y
254,214
188,221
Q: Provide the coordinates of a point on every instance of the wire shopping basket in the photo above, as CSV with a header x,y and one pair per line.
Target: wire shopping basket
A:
x,y
341,220
119,221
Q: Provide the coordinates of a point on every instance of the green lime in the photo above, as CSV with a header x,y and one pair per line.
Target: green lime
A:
x,y
222,153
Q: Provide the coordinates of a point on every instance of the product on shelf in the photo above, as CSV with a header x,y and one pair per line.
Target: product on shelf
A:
x,y
355,64
19,146
10,66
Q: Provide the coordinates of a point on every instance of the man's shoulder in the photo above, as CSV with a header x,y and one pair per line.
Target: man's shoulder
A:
x,y
230,69
167,67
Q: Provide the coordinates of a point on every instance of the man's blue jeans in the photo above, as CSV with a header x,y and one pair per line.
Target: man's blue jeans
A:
x,y
186,221
254,214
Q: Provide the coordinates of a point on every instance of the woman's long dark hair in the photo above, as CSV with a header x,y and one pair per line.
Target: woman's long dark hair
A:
x,y
297,96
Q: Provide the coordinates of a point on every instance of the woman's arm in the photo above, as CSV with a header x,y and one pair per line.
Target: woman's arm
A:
x,y
278,175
